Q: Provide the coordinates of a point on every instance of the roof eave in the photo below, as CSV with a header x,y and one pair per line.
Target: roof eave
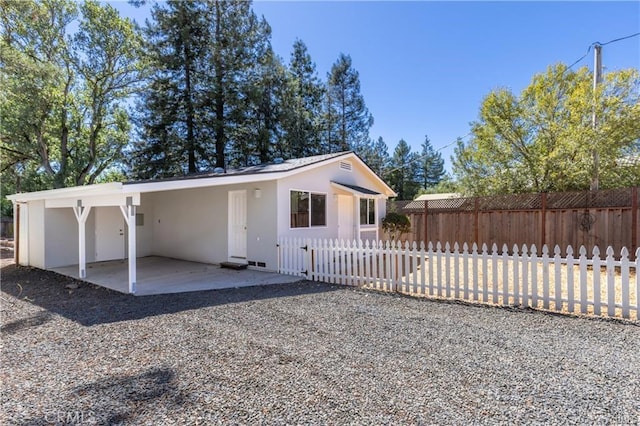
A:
x,y
97,189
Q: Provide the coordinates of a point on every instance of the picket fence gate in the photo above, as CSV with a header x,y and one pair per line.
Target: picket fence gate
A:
x,y
520,277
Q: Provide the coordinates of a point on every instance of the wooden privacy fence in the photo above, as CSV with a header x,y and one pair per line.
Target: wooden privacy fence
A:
x,y
589,218
579,282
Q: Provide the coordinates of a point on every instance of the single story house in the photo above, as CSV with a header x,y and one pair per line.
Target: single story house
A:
x,y
224,216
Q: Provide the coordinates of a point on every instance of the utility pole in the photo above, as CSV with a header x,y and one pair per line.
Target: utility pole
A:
x,y
597,79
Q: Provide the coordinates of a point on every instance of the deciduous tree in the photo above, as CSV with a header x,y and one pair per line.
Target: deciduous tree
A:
x,y
543,139
64,116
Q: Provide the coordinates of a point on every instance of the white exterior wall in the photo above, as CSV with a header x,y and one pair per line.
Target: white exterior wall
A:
x,y
23,236
192,224
36,256
189,224
90,235
61,242
144,233
319,180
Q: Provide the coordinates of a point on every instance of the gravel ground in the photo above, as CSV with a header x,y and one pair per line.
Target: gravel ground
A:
x,y
303,353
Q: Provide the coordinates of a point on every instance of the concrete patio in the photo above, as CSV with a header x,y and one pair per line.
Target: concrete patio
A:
x,y
161,275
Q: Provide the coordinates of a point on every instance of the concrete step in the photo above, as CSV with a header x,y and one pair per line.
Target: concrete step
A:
x,y
233,265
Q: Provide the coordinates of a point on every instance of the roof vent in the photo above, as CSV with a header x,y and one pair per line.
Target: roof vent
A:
x,y
278,160
218,170
345,165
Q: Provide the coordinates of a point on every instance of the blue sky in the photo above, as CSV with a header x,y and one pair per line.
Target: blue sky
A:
x,y
426,66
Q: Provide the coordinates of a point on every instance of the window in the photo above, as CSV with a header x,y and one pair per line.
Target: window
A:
x,y
308,209
367,211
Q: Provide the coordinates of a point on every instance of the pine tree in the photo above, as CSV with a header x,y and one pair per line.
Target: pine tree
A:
x,y
206,95
236,48
403,171
302,106
347,118
376,155
257,133
431,165
173,135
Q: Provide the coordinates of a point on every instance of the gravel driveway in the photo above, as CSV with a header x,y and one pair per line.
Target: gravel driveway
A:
x,y
303,353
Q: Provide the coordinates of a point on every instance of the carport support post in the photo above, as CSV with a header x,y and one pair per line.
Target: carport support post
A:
x,y
129,213
82,213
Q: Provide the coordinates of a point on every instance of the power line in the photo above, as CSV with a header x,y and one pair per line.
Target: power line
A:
x,y
591,46
422,157
618,39
597,43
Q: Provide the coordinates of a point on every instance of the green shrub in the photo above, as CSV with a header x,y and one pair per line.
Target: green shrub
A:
x,y
396,224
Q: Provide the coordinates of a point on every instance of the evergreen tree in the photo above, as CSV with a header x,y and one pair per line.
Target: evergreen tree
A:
x,y
431,165
347,118
303,96
403,171
210,64
376,155
173,134
236,47
257,131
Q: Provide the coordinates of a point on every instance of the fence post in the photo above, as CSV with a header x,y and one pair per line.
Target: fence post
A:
x,y
425,215
476,221
309,260
634,221
543,220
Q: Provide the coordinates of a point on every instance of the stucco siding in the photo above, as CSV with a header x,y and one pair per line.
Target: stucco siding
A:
x,y
61,242
36,234
319,180
144,233
23,234
189,224
192,224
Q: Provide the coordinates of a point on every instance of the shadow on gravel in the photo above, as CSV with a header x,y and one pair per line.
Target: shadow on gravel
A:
x,y
89,304
26,323
115,400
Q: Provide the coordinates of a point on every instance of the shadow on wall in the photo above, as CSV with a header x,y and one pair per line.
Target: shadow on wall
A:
x,y
89,304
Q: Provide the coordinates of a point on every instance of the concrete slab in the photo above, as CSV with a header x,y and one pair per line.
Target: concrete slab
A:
x,y
161,275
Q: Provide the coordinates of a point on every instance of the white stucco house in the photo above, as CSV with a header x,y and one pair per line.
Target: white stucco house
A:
x,y
233,215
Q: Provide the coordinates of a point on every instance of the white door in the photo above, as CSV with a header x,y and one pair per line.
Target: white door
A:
x,y
238,226
109,233
345,217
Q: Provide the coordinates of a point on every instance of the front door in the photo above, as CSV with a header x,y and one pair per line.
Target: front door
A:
x,y
109,233
345,217
238,226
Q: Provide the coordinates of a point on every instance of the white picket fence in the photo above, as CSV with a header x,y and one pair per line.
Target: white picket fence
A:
x,y
523,277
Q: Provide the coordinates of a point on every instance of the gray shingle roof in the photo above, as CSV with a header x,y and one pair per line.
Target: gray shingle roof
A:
x,y
284,166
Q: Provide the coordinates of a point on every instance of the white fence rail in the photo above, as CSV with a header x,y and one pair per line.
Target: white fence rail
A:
x,y
528,278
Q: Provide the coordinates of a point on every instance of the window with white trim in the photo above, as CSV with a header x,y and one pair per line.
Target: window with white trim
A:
x,y
308,209
367,211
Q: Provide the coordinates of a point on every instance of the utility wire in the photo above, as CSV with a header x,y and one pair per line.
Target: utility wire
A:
x,y
422,157
596,43
618,39
591,46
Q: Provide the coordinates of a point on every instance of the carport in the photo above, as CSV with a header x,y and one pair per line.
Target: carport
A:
x,y
161,275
